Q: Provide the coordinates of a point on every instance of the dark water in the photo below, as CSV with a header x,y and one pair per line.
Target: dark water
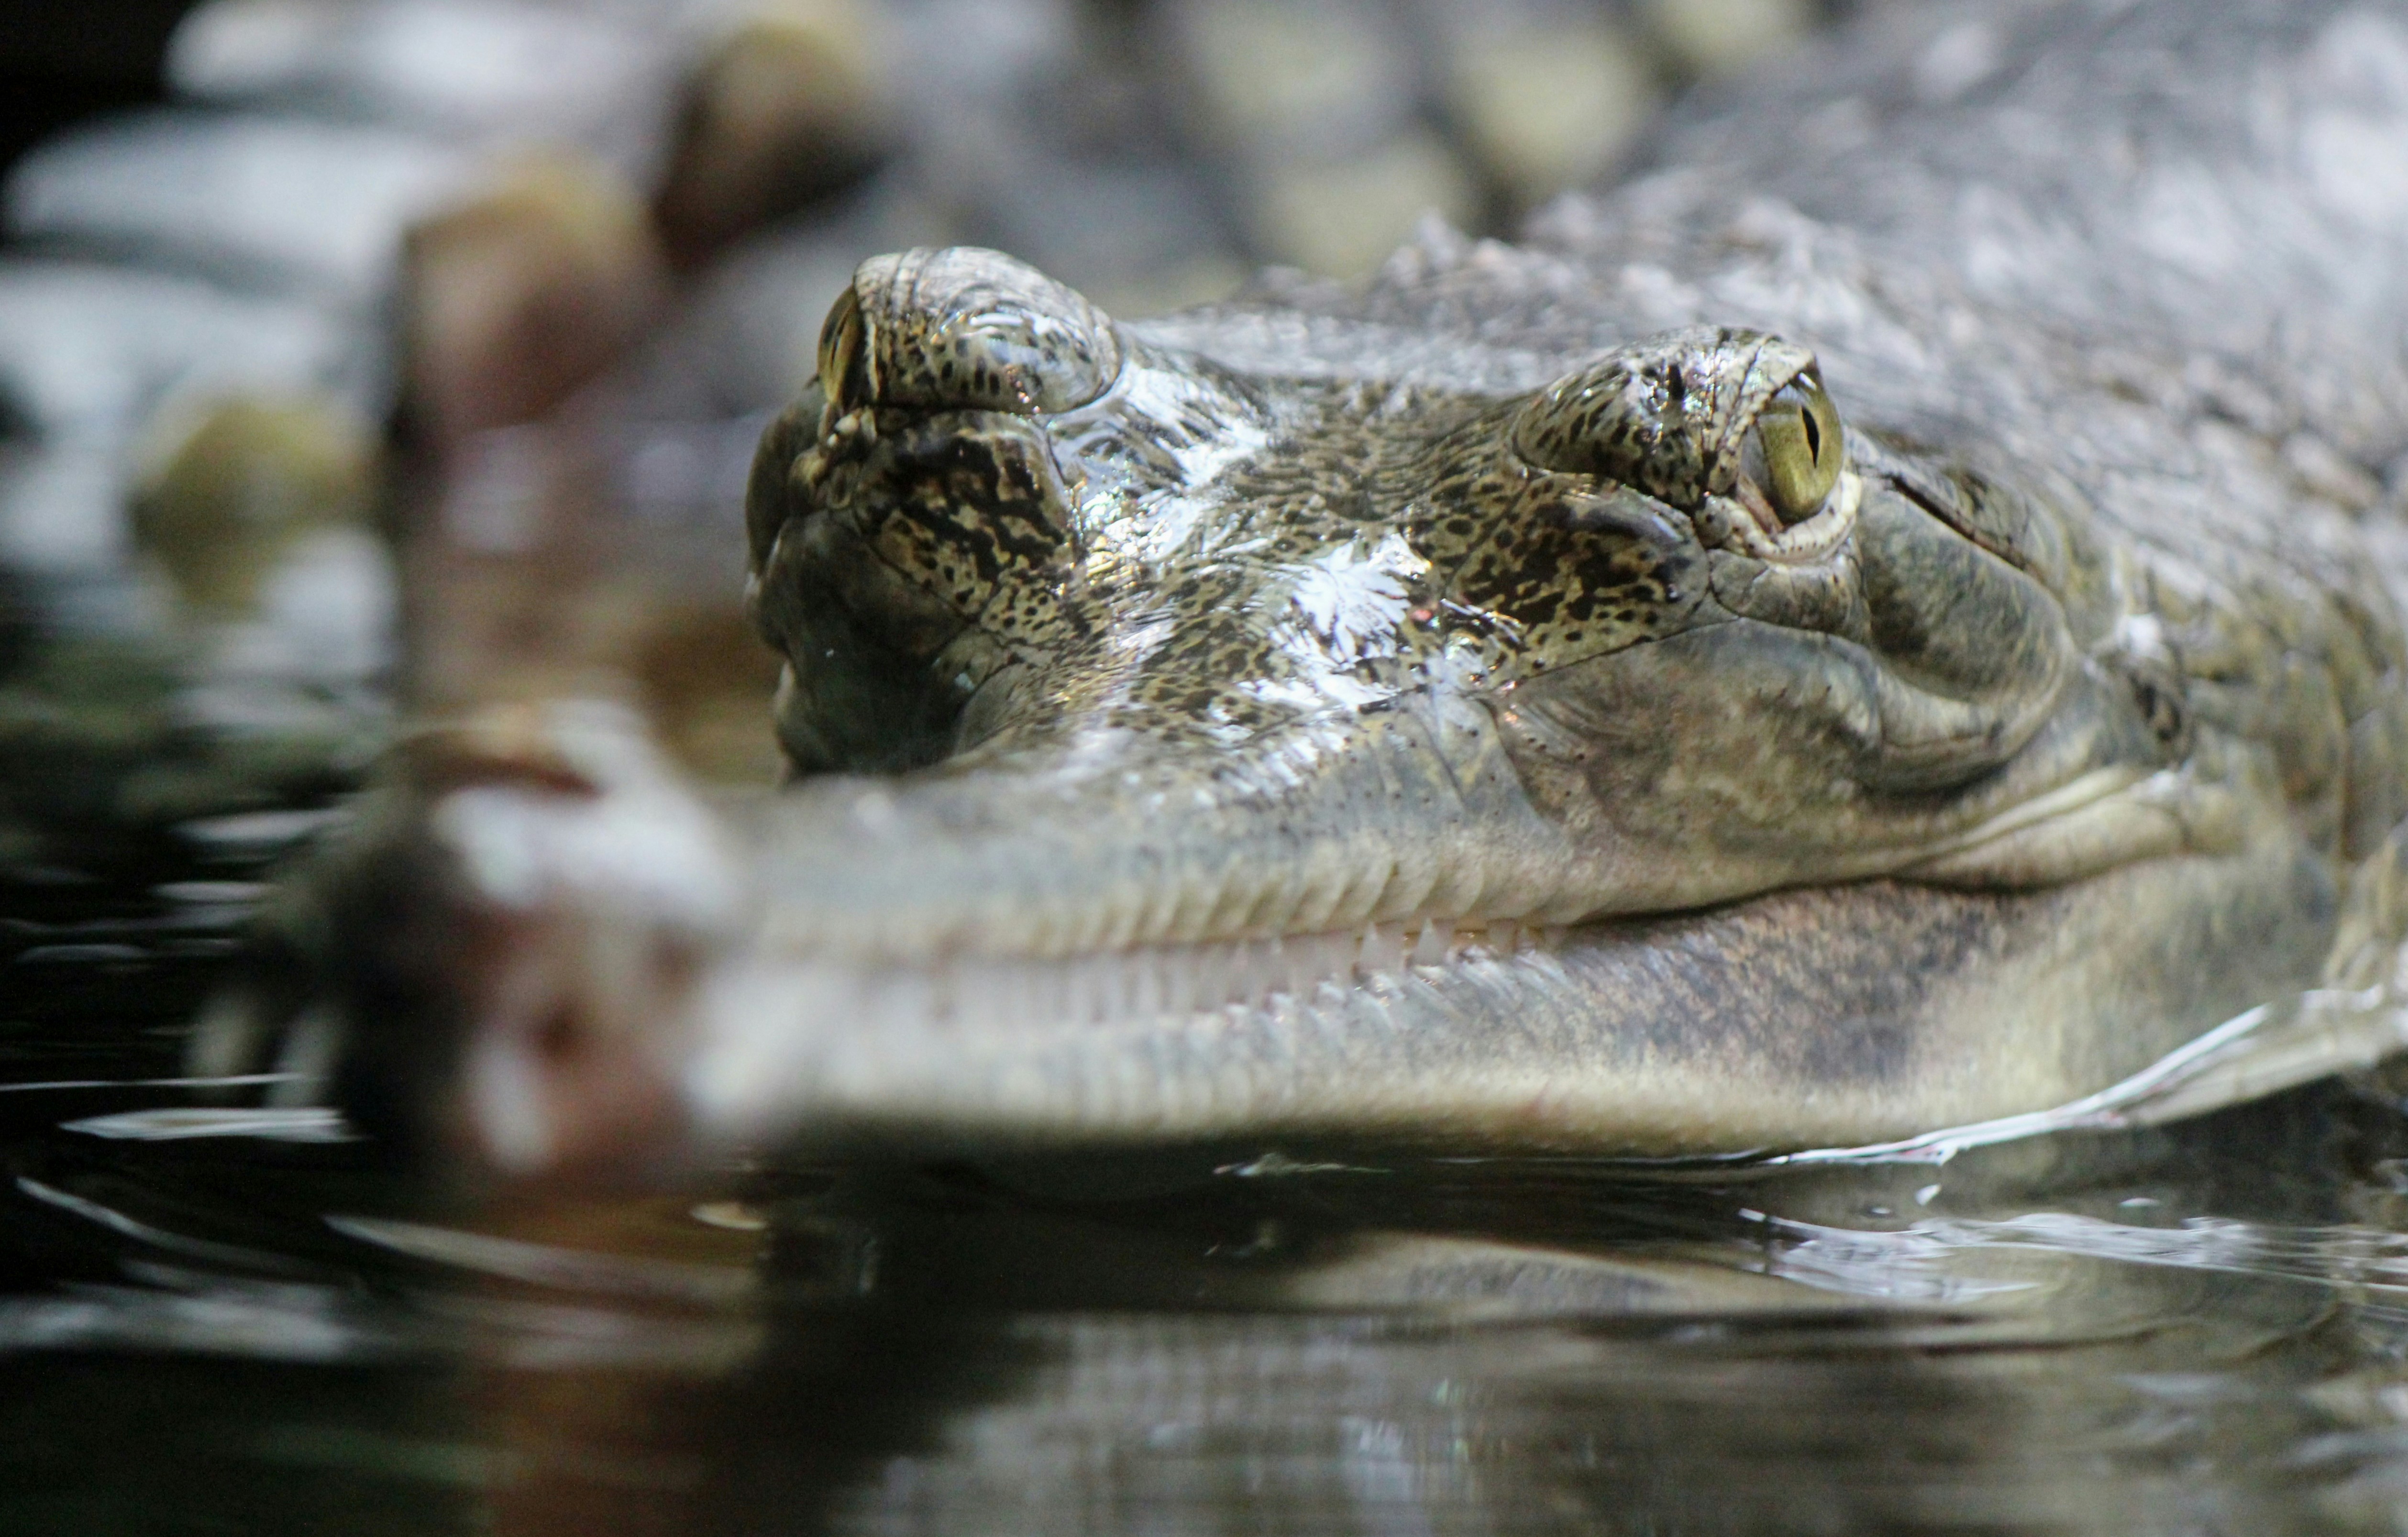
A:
x,y
2197,1329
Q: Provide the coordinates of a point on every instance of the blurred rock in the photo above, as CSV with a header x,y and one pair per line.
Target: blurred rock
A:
x,y
88,351
230,496
598,557
273,199
1717,37
513,299
484,68
1548,103
992,93
252,515
102,753
744,335
1342,220
321,626
1134,235
969,56
1272,80
61,510
706,680
791,106
89,354
748,337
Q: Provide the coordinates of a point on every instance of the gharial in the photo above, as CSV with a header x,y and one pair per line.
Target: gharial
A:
x,y
1888,618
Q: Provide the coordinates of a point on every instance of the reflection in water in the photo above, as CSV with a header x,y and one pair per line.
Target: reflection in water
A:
x,y
2193,1327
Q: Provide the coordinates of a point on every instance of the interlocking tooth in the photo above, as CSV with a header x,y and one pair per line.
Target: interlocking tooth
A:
x,y
1383,949
1229,973
1271,968
1430,945
1151,981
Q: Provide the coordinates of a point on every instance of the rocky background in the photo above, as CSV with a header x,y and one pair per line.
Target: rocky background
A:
x,y
325,321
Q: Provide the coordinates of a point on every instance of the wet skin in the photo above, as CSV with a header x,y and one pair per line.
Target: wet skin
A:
x,y
1754,668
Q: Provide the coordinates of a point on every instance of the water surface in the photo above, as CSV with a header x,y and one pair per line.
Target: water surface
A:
x,y
223,1320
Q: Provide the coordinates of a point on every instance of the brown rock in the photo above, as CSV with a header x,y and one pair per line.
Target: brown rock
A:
x,y
788,107
513,300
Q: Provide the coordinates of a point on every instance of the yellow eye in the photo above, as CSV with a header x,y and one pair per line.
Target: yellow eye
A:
x,y
844,357
1794,450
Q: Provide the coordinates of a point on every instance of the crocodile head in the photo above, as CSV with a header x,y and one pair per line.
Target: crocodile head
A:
x,y
1661,634
1654,760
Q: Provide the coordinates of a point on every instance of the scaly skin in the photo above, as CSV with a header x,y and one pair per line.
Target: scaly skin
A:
x,y
1416,712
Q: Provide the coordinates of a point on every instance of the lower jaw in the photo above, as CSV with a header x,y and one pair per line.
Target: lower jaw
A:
x,y
1132,986
1490,1036
1821,1016
1134,1045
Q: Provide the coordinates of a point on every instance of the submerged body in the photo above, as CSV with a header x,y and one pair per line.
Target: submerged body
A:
x,y
1890,619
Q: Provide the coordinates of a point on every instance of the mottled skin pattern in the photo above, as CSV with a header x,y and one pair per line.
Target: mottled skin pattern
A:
x,y
956,546
2048,715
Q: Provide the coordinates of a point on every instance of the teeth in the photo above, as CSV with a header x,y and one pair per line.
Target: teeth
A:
x,y
1384,951
1436,938
1168,980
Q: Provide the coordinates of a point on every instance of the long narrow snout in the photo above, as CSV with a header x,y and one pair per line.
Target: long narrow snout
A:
x,y
1077,954
1111,847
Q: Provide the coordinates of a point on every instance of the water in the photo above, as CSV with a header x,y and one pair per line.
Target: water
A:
x,y
219,1321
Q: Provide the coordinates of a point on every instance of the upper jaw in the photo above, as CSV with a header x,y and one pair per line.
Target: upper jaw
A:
x,y
1397,816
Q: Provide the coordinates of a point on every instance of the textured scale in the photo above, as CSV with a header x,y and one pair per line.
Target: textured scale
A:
x,y
2072,723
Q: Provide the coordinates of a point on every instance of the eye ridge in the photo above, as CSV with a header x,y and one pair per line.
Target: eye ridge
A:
x,y
844,356
965,328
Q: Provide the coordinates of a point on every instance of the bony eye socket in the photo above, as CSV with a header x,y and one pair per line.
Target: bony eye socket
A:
x,y
964,329
1794,450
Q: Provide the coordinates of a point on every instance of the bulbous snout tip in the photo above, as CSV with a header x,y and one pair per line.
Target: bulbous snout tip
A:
x,y
569,1069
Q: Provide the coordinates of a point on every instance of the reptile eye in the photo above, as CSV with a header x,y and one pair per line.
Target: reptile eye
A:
x,y
844,359
964,329
1794,448
1683,416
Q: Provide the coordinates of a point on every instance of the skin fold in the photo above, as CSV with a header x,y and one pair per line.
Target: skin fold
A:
x,y
1887,619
